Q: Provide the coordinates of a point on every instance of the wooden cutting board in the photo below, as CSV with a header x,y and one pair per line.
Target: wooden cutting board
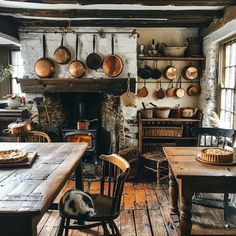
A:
x,y
25,163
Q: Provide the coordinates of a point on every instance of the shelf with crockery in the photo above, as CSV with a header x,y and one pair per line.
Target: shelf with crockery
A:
x,y
193,58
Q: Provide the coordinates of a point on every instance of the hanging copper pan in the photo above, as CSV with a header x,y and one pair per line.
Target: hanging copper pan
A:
x,y
44,67
112,64
170,72
190,72
77,68
193,90
170,92
179,92
62,54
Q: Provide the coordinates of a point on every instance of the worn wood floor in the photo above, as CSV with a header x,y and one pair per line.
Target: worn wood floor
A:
x,y
145,212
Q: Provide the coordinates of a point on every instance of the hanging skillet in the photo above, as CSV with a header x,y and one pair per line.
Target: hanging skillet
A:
x,y
44,67
77,68
62,54
93,60
112,64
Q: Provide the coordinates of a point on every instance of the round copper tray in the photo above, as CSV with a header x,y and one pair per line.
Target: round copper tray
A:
x,y
12,156
215,163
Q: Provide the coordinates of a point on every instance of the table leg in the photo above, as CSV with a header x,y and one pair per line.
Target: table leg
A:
x,y
79,177
173,193
18,225
186,214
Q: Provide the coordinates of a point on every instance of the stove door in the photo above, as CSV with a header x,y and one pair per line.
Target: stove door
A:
x,y
82,137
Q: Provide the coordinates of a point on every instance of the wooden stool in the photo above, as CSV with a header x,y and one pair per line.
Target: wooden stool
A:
x,y
158,159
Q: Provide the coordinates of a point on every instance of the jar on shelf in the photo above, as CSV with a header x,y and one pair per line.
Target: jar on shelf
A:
x,y
194,46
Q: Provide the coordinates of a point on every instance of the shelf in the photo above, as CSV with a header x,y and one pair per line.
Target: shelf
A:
x,y
200,58
83,85
170,120
157,137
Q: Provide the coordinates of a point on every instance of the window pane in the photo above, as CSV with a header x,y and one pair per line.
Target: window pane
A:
x,y
18,70
227,100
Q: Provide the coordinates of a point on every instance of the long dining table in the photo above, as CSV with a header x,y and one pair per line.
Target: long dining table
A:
x,y
188,175
26,193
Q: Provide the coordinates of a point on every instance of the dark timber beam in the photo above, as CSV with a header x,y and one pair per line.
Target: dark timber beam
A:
x,y
77,13
9,26
141,2
117,23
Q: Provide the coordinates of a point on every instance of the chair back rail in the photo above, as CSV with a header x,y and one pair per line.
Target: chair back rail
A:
x,y
213,137
115,170
34,136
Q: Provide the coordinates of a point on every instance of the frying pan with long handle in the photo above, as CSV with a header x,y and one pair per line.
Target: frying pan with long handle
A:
x,y
143,92
93,60
170,92
112,64
77,68
179,91
44,67
62,54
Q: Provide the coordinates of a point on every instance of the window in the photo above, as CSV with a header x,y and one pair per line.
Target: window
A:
x,y
227,84
18,70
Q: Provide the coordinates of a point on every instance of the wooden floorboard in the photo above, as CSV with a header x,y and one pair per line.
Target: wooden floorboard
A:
x,y
145,212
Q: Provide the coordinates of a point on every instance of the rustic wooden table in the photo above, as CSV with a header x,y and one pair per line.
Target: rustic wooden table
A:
x,y
26,193
187,175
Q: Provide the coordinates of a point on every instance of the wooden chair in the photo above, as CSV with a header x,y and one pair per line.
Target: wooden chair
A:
x,y
34,136
115,170
214,137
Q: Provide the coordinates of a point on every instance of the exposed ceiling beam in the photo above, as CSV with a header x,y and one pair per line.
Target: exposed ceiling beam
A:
x,y
9,26
117,23
140,2
76,13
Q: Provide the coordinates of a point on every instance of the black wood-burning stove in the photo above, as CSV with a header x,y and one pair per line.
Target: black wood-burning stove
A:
x,y
88,136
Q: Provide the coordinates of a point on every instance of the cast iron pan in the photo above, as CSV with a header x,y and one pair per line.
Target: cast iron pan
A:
x,y
93,60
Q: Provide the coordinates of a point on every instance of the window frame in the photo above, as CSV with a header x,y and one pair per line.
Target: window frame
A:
x,y
221,80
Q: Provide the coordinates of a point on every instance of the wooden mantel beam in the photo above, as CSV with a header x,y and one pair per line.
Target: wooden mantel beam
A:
x,y
138,2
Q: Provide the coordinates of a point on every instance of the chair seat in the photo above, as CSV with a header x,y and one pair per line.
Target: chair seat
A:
x,y
103,209
155,156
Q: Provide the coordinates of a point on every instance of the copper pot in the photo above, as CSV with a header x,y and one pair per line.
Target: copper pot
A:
x,y
44,67
20,126
84,124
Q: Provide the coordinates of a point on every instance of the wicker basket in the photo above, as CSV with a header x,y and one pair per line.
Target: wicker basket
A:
x,y
163,132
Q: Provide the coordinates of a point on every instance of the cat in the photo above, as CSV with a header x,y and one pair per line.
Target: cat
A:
x,y
76,202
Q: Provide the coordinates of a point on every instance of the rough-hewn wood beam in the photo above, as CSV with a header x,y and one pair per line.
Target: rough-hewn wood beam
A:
x,y
9,26
117,23
141,2
76,13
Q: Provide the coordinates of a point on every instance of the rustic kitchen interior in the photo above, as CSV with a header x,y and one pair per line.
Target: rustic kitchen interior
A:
x,y
139,82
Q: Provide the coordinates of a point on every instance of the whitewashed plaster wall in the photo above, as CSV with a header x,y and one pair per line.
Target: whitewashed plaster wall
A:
x,y
171,37
124,46
209,82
